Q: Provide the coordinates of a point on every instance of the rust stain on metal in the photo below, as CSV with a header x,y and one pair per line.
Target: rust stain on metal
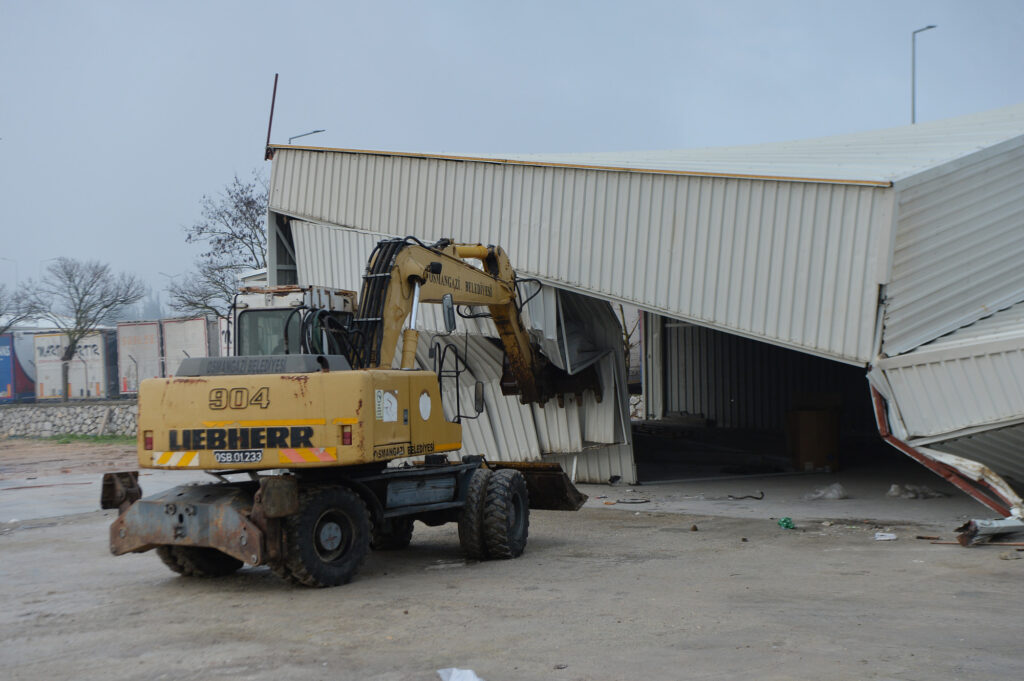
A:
x,y
188,380
980,490
301,380
205,515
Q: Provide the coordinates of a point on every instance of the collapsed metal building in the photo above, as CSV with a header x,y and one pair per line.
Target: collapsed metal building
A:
x,y
895,253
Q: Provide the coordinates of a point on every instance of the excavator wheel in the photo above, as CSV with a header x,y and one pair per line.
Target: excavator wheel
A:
x,y
170,559
471,520
391,535
328,539
506,514
198,561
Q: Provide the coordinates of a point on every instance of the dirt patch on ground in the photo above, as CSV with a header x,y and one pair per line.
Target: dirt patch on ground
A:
x,y
26,459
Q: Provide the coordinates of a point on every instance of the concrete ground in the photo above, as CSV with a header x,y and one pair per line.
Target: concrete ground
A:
x,y
624,589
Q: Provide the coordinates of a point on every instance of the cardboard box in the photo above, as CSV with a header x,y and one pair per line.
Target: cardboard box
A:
x,y
812,438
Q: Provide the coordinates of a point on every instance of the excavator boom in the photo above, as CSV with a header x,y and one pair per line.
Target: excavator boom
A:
x,y
403,273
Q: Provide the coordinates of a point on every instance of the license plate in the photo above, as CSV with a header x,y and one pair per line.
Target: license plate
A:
x,y
238,455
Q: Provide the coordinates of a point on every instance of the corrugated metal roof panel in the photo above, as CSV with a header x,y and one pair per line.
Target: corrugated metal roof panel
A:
x,y
958,251
878,156
798,265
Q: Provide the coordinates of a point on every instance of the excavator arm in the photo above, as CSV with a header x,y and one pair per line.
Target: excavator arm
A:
x,y
403,273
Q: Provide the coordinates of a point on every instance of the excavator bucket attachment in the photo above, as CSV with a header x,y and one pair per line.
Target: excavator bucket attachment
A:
x,y
550,489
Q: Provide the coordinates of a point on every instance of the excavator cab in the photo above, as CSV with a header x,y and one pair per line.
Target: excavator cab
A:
x,y
292,320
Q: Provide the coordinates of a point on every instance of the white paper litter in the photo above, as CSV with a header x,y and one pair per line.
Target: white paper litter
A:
x,y
455,674
833,491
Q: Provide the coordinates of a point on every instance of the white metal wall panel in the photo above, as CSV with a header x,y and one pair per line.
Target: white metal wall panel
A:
x,y
599,464
138,354
947,395
971,378
1001,450
559,429
792,263
959,250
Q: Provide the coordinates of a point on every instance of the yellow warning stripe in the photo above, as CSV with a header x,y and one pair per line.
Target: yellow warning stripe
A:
x,y
278,422
447,447
346,421
176,459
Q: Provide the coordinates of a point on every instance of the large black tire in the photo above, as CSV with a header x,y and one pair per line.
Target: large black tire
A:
x,y
506,514
198,561
170,559
392,534
328,539
471,520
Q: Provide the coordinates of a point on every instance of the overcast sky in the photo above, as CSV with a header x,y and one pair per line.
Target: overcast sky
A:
x,y
116,117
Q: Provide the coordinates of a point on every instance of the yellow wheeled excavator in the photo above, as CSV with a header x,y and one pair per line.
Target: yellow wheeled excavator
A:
x,y
300,423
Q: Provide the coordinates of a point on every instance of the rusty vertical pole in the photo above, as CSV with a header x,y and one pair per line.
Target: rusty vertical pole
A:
x,y
270,124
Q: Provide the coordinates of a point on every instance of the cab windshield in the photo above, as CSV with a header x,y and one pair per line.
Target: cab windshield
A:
x,y
261,332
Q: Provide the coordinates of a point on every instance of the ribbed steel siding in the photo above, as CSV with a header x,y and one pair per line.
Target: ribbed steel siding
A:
x,y
597,465
794,263
1001,450
948,393
335,258
959,250
740,383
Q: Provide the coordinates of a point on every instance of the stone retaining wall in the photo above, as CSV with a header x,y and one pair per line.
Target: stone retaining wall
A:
x,y
93,418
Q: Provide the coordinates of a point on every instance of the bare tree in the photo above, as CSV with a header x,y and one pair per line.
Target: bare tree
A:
x,y
14,308
206,290
78,297
233,227
628,333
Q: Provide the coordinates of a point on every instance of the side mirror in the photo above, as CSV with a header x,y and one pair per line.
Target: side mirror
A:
x,y
478,398
448,307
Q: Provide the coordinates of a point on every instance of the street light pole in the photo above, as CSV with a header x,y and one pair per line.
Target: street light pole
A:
x,y
304,134
913,71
